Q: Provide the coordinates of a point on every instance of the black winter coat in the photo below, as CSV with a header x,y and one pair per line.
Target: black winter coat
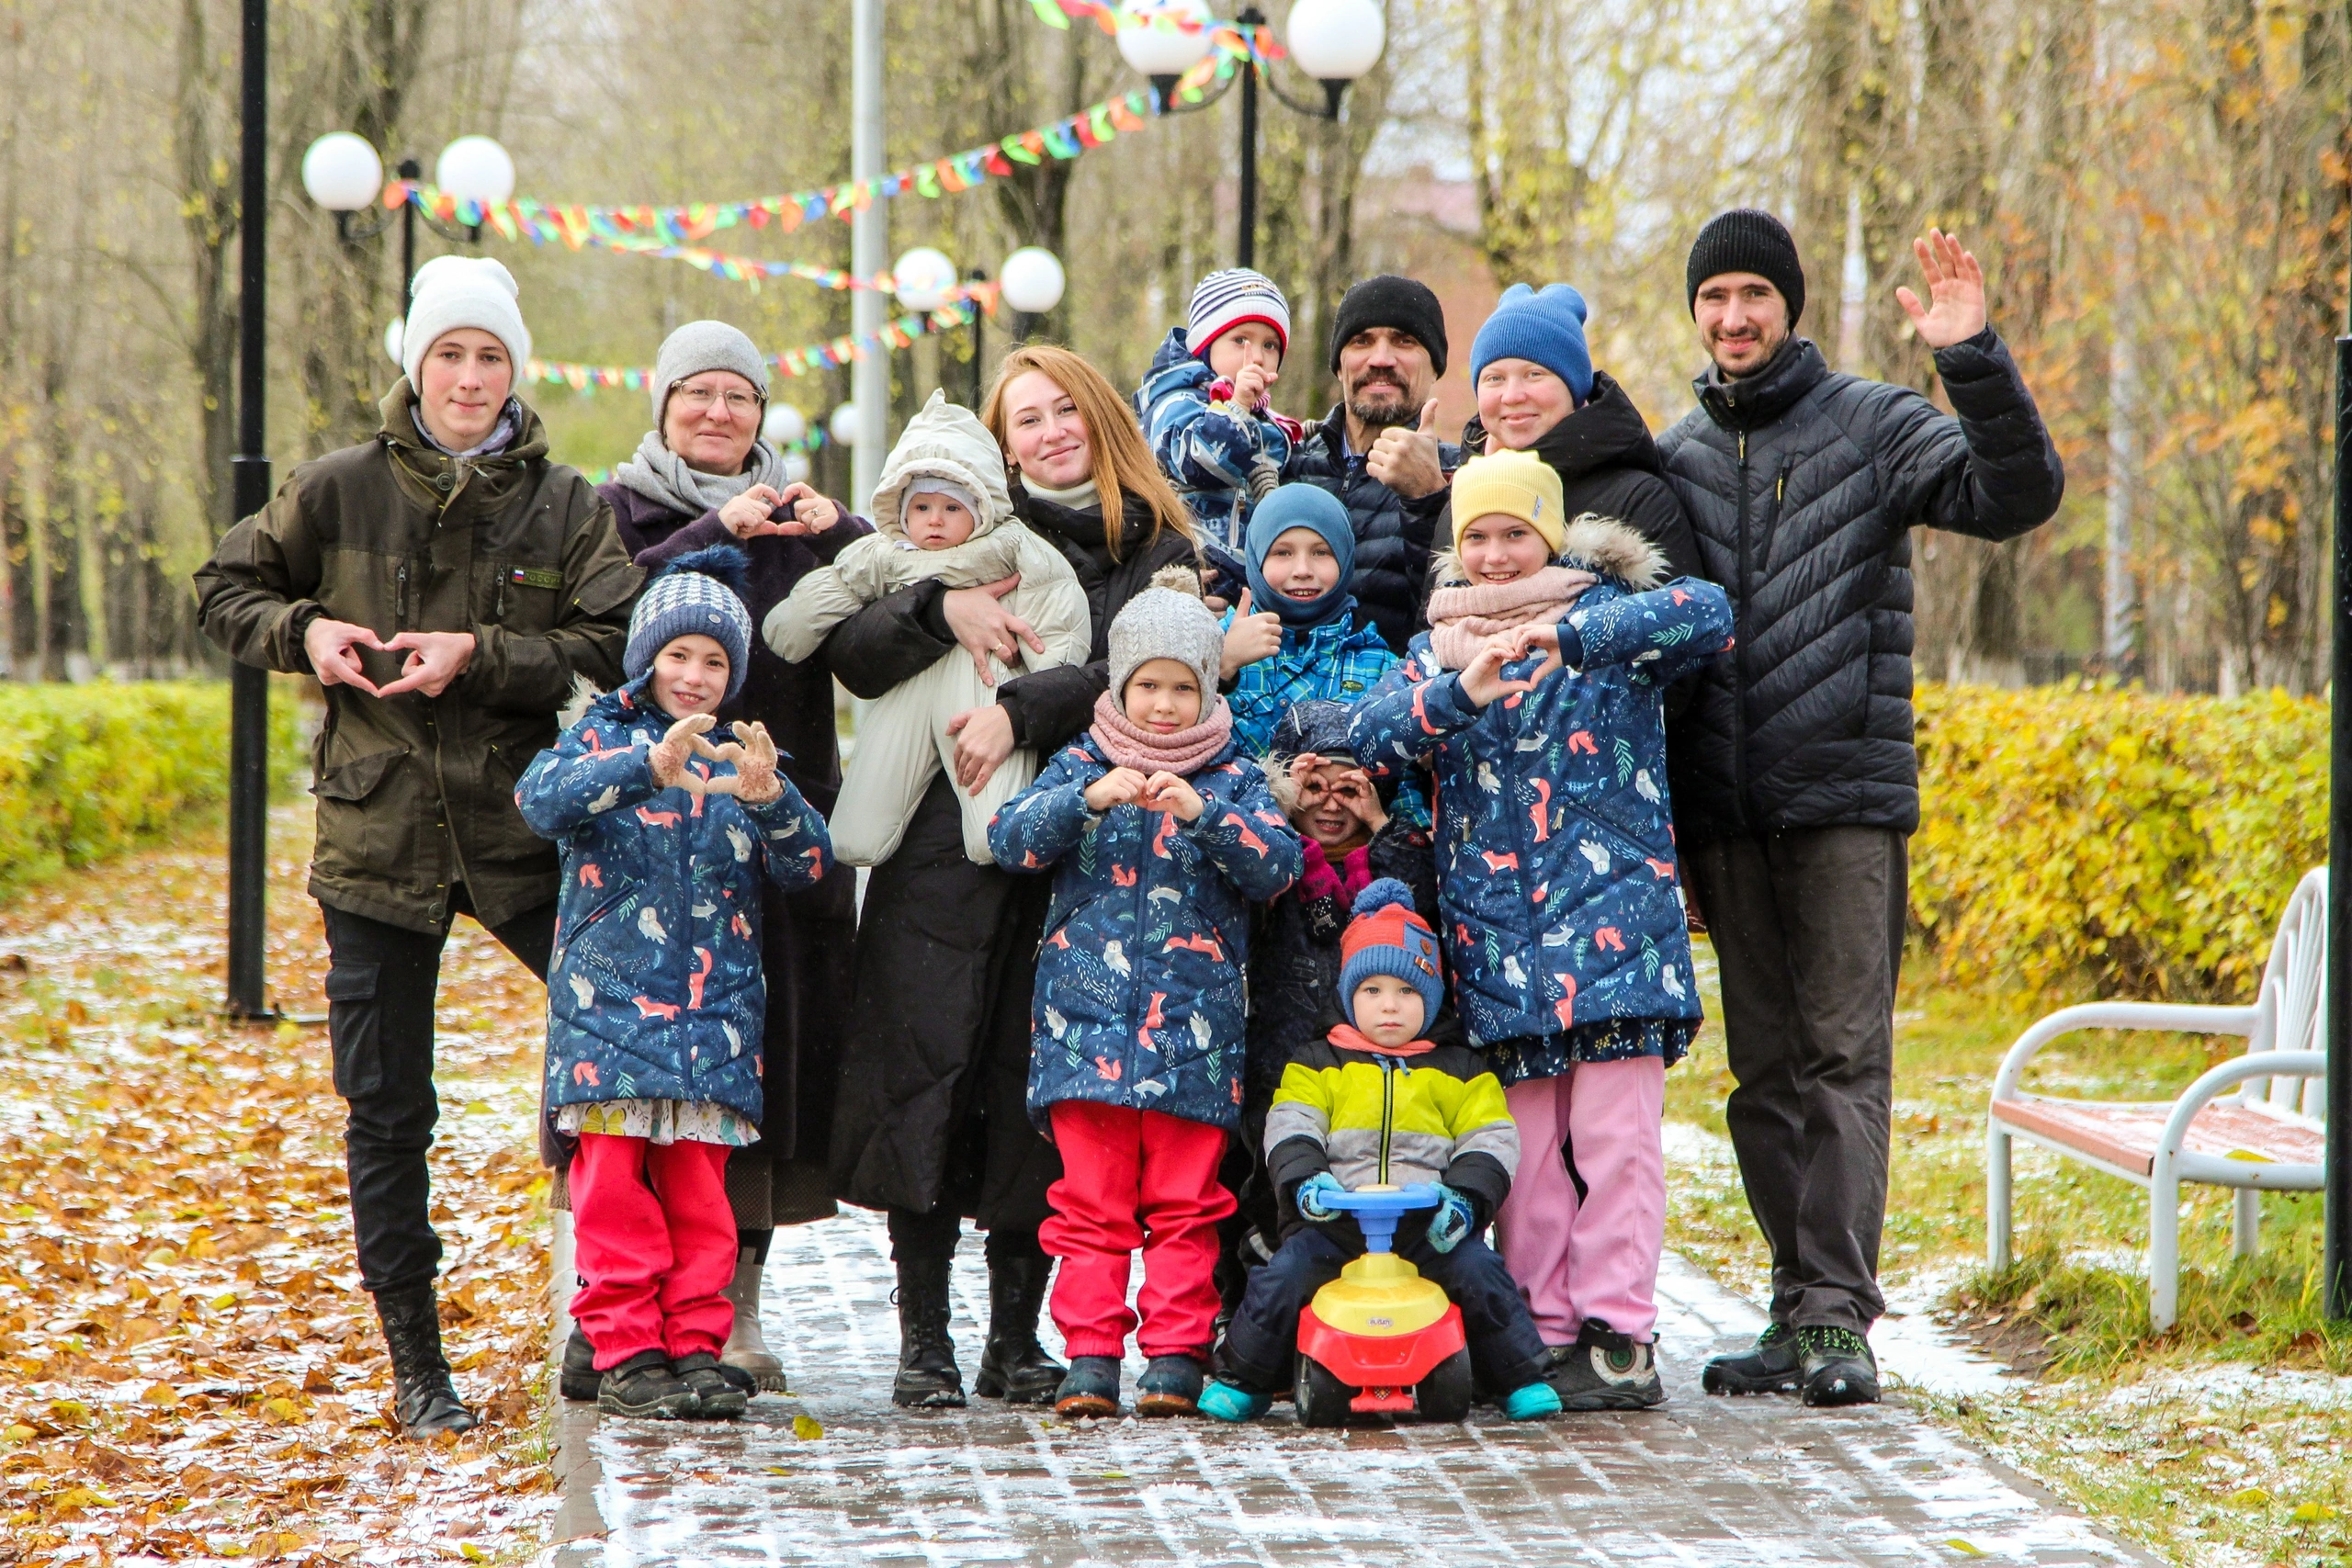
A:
x,y
935,1059
1393,535
1803,485
1610,466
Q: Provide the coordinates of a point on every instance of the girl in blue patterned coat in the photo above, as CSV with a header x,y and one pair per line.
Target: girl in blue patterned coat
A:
x,y
1159,836
1557,887
656,1001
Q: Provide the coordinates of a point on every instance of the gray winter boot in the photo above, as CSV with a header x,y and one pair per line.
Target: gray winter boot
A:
x,y
747,1349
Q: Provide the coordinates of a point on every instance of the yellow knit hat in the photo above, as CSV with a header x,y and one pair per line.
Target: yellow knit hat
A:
x,y
1509,484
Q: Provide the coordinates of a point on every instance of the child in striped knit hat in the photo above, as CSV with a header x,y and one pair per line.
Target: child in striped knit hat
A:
x,y
1207,410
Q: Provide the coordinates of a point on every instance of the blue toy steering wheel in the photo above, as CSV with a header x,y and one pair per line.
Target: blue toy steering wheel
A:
x,y
1377,1213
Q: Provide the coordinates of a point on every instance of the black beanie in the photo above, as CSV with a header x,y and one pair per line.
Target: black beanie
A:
x,y
1747,240
1396,303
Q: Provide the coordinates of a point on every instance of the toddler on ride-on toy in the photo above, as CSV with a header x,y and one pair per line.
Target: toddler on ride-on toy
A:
x,y
1374,1105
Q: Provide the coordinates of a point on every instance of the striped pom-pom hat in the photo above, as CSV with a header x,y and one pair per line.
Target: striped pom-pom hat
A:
x,y
1223,300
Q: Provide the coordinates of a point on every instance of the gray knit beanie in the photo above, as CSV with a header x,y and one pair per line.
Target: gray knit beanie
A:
x,y
1168,620
698,592
704,345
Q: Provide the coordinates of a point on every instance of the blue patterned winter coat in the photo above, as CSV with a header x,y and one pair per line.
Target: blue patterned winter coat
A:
x,y
1139,996
655,991
1556,875
1206,448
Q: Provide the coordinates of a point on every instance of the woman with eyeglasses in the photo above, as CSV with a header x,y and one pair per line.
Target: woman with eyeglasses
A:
x,y
701,477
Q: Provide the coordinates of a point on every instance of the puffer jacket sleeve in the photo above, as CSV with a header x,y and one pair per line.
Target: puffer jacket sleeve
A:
x,y
1043,822
1662,633
1657,513
1249,839
1298,1130
800,621
1053,602
574,782
1409,715
534,674
892,640
1486,1140
1203,445
1991,473
254,597
793,839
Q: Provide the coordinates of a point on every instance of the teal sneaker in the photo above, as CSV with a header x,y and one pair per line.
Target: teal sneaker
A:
x,y
1533,1402
1230,1402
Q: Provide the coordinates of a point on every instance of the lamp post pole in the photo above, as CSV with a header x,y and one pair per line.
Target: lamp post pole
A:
x,y
411,171
869,252
2336,1261
1245,249
249,492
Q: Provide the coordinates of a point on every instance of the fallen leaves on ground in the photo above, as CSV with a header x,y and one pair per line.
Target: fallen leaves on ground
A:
x,y
191,1368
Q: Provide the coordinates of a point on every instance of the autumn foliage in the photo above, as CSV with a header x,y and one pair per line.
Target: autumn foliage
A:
x,y
2111,842
89,772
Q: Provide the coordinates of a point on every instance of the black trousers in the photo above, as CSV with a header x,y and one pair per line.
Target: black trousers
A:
x,y
1809,933
381,983
1506,1351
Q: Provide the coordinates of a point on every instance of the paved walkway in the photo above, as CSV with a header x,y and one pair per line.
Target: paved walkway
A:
x,y
1702,1482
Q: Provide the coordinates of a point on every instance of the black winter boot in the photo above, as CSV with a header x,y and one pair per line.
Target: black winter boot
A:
x,y
1838,1367
425,1400
1015,1368
580,1379
928,1377
1773,1365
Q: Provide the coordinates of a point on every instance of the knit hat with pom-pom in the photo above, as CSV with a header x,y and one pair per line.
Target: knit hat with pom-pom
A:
x,y
1167,620
1387,938
700,594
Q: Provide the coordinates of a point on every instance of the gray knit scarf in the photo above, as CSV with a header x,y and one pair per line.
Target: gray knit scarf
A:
x,y
509,420
662,476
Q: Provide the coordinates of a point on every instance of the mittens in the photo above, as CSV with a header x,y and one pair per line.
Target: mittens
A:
x,y
1452,1220
1311,1194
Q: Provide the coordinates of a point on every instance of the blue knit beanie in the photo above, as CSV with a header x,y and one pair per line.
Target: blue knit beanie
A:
x,y
1547,328
1300,506
700,592
1386,937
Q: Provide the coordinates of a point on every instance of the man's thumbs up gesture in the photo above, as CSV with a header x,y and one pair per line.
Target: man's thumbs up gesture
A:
x,y
1405,460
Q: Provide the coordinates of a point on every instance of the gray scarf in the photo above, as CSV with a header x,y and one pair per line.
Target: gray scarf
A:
x,y
661,476
509,420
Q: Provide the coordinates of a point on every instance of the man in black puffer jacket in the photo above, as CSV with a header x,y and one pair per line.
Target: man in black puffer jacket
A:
x,y
1378,451
1794,778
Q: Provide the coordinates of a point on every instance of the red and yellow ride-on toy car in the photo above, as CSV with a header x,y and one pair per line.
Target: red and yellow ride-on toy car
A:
x,y
1380,1339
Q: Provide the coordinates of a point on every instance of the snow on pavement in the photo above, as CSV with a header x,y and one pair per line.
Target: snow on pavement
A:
x,y
1703,1482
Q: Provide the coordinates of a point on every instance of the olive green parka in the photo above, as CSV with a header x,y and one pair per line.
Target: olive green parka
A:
x,y
416,794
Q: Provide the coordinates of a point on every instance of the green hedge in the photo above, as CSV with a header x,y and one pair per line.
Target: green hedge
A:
x,y
2108,842
89,772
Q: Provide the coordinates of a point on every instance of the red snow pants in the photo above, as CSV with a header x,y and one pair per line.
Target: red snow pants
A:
x,y
654,1241
1135,1179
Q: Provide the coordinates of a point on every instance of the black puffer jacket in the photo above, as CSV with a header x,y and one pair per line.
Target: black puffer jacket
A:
x,y
1609,465
1393,534
1804,486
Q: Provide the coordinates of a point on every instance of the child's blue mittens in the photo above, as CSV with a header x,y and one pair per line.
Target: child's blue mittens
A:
x,y
1451,1222
1531,1403
1311,1195
1227,1402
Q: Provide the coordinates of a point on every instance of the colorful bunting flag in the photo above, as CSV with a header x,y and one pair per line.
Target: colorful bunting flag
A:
x,y
899,332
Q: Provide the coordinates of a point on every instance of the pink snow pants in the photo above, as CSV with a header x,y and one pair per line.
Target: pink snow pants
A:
x,y
1135,1179
655,1243
1594,1257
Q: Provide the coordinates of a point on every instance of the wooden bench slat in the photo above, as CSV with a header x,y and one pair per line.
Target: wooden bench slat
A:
x,y
2126,1136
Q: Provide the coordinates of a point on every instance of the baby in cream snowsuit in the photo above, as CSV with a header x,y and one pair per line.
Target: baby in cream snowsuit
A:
x,y
941,511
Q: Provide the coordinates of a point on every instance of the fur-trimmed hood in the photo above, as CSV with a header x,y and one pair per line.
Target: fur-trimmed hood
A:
x,y
1601,545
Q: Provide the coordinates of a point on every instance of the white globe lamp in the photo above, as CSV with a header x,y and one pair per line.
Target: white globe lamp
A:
x,y
924,278
1154,44
1336,40
475,169
784,425
843,426
796,467
392,339
1031,280
342,173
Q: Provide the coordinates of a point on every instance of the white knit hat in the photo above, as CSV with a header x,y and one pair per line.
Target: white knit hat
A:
x,y
462,291
1168,620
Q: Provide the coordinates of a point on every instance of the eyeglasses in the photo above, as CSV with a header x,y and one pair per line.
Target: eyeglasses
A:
x,y
698,400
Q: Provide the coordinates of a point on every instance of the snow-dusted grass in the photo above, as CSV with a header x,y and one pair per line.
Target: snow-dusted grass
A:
x,y
2223,1442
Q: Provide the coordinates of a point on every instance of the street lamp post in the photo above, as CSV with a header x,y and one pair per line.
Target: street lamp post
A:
x,y
343,174
1335,41
249,492
2335,1267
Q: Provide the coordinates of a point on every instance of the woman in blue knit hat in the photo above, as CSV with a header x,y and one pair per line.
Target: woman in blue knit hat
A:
x,y
1538,392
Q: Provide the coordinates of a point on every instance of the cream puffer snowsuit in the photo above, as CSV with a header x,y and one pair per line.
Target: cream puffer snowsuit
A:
x,y
902,737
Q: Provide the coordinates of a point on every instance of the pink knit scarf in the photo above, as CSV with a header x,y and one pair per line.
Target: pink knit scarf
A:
x,y
1463,620
1184,753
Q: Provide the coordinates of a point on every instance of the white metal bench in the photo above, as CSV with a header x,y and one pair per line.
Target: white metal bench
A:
x,y
2253,1124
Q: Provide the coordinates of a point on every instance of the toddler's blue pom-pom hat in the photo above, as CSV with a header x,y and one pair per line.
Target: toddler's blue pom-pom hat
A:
x,y
701,593
1386,937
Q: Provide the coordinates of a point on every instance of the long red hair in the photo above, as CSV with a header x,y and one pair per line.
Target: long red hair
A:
x,y
1122,462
